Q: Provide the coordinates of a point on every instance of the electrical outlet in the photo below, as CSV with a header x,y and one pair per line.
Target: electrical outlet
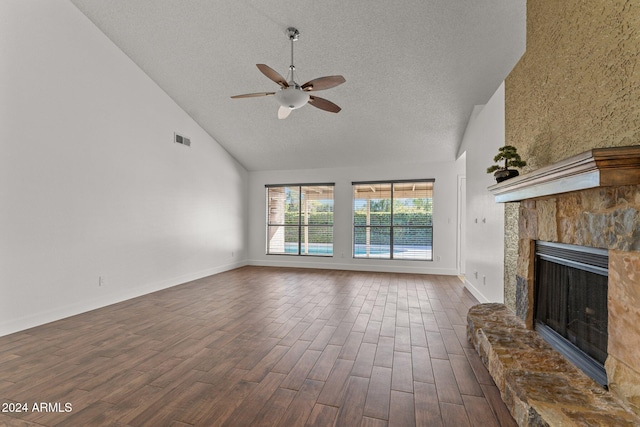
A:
x,y
438,258
102,281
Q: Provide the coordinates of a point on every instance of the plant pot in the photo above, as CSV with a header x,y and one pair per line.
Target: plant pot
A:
x,y
504,174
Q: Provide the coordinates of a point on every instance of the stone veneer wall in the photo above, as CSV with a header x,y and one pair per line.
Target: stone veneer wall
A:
x,y
577,87
608,218
511,215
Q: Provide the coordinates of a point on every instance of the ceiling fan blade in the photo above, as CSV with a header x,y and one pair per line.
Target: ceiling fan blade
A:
x,y
252,95
283,112
322,83
272,74
323,104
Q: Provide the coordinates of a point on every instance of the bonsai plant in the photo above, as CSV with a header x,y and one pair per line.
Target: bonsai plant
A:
x,y
508,154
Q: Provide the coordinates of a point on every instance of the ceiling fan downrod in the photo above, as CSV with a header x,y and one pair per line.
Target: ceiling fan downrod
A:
x,y
292,97
293,35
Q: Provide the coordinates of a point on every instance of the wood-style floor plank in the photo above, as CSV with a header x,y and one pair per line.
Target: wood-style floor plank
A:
x,y
260,346
446,382
322,416
302,404
352,409
402,412
379,393
426,404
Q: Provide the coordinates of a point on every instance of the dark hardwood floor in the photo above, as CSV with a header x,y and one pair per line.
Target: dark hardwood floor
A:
x,y
258,346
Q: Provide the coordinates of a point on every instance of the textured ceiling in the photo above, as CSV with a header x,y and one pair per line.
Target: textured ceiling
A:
x,y
414,69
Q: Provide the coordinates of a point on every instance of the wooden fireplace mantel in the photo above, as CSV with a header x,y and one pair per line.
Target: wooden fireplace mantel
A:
x,y
600,167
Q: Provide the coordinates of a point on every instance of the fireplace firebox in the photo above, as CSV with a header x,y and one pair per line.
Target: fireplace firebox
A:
x,y
570,304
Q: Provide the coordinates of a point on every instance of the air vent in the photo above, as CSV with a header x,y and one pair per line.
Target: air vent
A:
x,y
181,139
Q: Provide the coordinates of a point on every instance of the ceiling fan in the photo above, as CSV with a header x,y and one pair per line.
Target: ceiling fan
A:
x,y
291,95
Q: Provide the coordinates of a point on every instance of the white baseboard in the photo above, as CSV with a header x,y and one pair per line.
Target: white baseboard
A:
x,y
36,319
282,262
475,292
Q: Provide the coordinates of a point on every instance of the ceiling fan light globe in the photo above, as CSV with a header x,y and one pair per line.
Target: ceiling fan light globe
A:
x,y
292,98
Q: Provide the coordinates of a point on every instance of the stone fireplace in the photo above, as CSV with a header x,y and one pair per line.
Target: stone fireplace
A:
x,y
591,200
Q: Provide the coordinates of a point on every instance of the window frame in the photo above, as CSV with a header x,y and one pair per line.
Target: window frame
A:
x,y
391,225
299,225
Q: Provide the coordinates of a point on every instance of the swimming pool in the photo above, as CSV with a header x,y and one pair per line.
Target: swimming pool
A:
x,y
360,251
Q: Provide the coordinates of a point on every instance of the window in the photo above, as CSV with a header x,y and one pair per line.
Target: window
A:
x,y
393,220
300,219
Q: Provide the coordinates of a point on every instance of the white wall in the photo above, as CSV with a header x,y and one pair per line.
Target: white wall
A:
x,y
90,182
444,216
484,271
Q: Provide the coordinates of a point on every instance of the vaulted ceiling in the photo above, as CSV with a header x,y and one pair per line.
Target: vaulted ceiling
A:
x,y
414,69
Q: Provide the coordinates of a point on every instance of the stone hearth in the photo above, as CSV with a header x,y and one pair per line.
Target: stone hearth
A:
x,y
539,386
